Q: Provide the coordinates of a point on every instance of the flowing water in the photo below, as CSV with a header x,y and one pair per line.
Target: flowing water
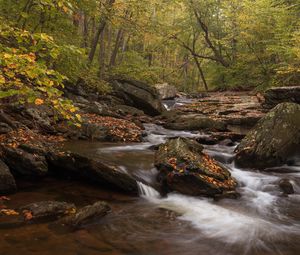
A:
x,y
261,222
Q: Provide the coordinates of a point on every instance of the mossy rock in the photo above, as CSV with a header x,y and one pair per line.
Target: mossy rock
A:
x,y
273,139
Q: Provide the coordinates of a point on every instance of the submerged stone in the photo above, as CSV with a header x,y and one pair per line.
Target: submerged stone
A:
x,y
87,214
47,209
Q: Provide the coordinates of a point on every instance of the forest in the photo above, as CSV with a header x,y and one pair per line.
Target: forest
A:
x,y
150,127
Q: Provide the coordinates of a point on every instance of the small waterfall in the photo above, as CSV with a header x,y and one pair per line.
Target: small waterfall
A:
x,y
147,191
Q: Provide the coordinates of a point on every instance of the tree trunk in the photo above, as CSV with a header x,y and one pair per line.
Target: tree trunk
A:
x,y
201,72
85,32
116,48
102,24
102,55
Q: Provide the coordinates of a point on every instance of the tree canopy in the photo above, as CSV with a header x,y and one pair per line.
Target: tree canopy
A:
x,y
193,44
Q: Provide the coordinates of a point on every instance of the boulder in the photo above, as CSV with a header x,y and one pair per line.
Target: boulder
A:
x,y
166,91
195,122
77,166
286,186
87,214
24,162
47,209
7,181
139,95
184,168
101,109
275,96
272,140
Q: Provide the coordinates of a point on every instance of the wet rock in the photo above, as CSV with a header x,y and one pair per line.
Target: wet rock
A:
x,y
235,109
139,95
282,170
127,110
207,140
198,95
47,209
227,142
24,163
77,166
7,181
87,214
193,122
272,140
275,96
185,168
166,91
93,131
286,186
4,128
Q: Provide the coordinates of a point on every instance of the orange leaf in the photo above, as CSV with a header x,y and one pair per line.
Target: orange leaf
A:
x,y
39,101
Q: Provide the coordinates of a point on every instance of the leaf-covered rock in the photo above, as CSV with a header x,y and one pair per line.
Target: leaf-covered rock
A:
x,y
185,168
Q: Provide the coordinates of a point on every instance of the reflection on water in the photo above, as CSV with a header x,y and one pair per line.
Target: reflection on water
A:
x,y
261,222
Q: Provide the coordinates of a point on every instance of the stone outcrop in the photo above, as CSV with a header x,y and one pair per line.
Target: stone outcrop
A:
x,y
139,95
166,91
195,122
275,96
272,140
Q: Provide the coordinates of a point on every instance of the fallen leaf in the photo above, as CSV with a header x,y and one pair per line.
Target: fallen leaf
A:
x,y
27,215
9,212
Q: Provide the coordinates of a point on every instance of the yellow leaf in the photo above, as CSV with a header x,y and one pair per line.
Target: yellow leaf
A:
x,y
65,9
39,101
6,56
2,79
73,109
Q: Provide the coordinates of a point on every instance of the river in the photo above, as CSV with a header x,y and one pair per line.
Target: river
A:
x,y
261,222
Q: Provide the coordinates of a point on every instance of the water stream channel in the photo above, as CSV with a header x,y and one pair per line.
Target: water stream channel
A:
x,y
261,222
